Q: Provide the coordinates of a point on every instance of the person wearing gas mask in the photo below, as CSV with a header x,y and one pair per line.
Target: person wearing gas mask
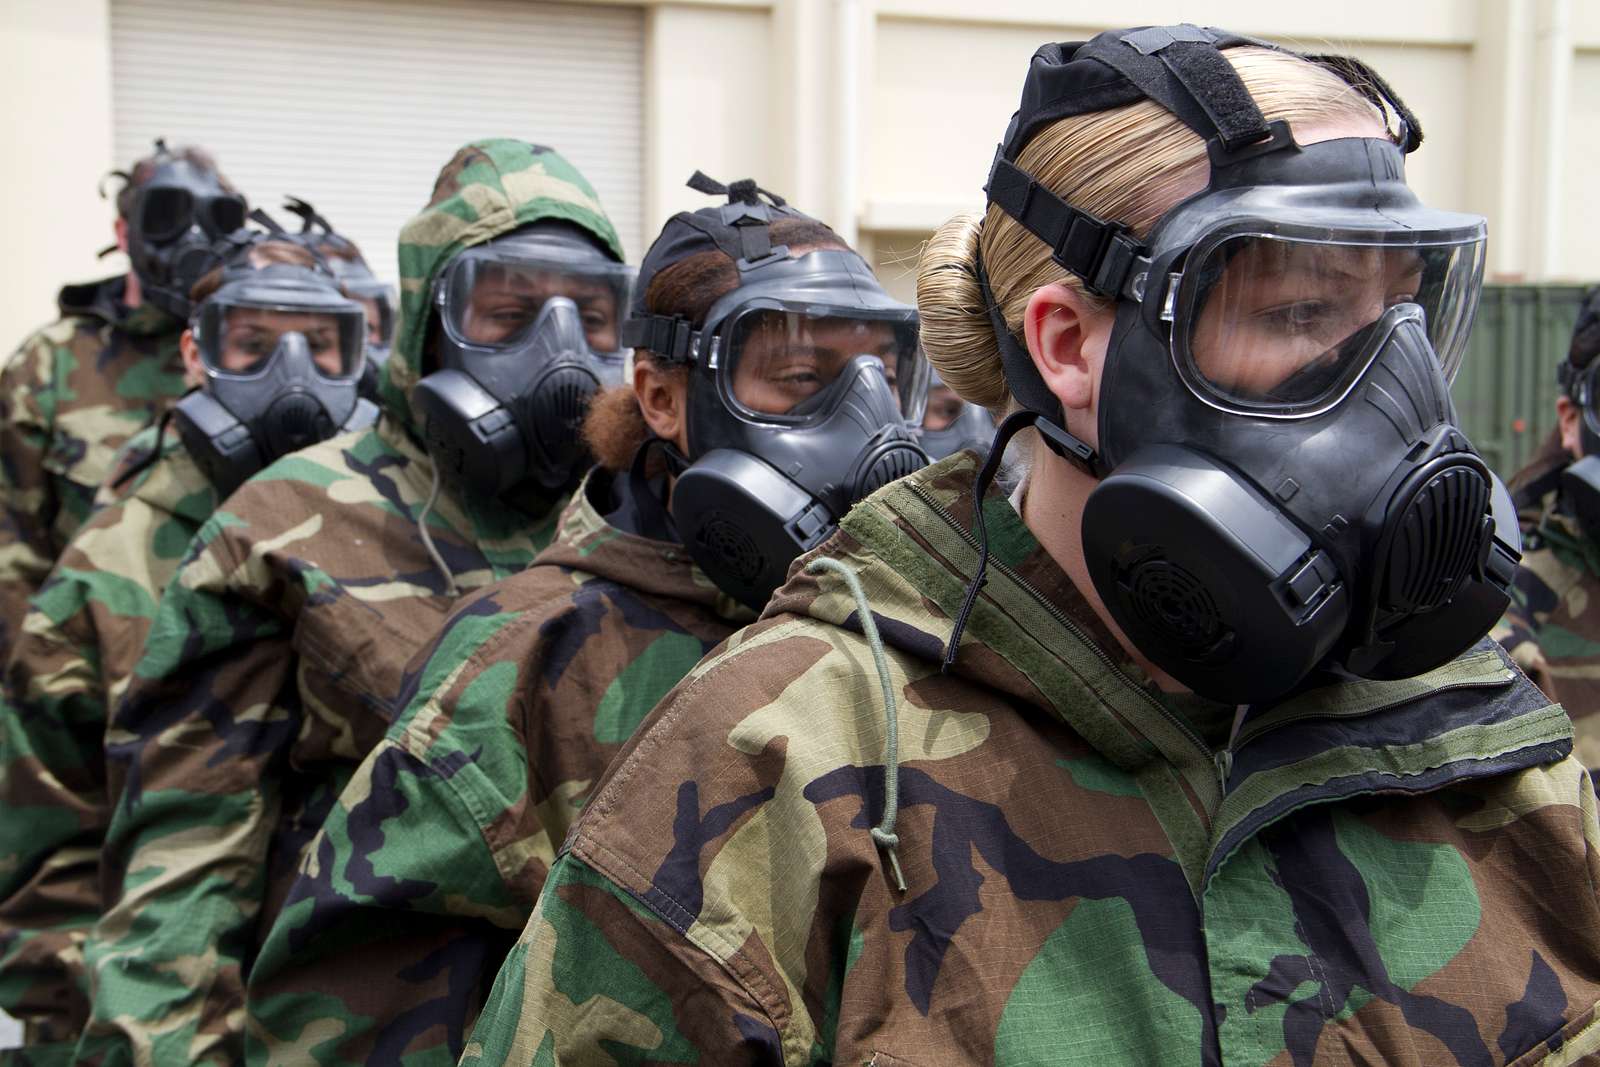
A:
x,y
1026,780
278,654
269,308
1552,628
75,391
344,258
950,424
537,681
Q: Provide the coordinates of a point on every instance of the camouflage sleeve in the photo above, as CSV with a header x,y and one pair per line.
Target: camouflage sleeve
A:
x,y
197,756
53,790
597,974
27,505
369,967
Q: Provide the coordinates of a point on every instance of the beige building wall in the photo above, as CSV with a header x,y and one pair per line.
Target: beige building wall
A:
x,y
881,115
55,126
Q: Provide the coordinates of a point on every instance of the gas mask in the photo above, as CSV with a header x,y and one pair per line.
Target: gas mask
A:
x,y
530,332
964,425
282,351
344,261
178,212
802,382
1283,485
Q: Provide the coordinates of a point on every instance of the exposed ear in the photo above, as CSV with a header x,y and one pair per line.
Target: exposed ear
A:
x,y
1570,421
1067,334
193,372
663,399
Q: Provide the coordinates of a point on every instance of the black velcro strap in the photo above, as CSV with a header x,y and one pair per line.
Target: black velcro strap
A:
x,y
1099,252
1216,87
1182,68
671,338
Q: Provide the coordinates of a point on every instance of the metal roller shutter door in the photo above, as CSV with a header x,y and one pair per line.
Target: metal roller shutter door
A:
x,y
355,104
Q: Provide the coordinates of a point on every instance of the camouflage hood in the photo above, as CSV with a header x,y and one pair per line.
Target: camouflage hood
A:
x,y
593,539
488,189
902,576
103,300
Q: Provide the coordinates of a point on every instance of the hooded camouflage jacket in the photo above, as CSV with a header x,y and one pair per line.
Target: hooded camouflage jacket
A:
x,y
1364,875
532,689
277,659
77,647
70,396
1551,629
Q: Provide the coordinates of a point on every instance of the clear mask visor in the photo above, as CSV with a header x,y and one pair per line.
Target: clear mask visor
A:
x,y
491,298
239,341
1278,323
776,364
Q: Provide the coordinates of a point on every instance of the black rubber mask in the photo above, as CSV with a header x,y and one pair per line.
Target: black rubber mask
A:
x,y
282,350
802,383
531,331
178,213
1284,485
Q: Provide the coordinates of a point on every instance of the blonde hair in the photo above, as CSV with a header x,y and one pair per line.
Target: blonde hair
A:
x,y
1129,164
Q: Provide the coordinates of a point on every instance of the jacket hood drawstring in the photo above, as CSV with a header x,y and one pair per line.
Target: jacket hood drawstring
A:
x,y
883,833
427,538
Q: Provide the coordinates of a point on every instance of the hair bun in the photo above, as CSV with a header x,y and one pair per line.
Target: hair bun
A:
x,y
955,329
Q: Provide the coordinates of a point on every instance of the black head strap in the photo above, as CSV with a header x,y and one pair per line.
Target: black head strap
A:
x,y
1103,254
745,230
670,338
741,229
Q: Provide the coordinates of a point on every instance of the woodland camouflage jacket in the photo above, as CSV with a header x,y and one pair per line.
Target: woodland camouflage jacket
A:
x,y
70,396
429,865
278,656
1552,628
83,633
1397,873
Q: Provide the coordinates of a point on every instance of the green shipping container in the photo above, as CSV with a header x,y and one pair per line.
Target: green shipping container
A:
x,y
1505,392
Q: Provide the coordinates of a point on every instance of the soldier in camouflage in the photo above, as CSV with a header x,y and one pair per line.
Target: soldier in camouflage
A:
x,y
1549,628
277,657
824,848
71,395
531,691
76,651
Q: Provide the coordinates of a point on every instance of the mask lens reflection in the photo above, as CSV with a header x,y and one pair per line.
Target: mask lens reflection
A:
x,y
494,303
1280,324
781,361
250,336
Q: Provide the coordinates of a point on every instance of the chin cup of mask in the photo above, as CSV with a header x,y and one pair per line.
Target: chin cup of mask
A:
x,y
744,523
1221,590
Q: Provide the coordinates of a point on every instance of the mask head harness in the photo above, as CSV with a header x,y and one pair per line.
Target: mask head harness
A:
x,y
802,382
176,213
529,333
344,260
1283,486
282,350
